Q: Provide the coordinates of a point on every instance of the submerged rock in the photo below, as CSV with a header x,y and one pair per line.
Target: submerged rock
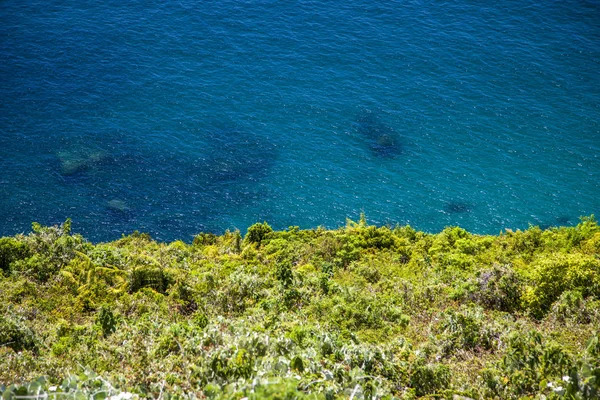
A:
x,y
383,140
457,207
117,205
73,162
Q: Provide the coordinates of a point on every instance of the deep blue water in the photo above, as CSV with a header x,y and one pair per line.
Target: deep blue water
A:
x,y
186,116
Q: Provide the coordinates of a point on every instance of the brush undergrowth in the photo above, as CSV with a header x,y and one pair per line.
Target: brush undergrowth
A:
x,y
360,312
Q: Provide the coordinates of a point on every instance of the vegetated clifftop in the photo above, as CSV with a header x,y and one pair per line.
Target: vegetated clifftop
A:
x,y
357,312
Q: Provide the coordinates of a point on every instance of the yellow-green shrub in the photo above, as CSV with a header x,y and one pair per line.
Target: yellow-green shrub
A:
x,y
551,275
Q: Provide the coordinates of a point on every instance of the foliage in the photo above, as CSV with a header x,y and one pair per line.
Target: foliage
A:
x,y
552,275
499,288
359,312
106,320
82,385
257,232
531,365
15,334
429,378
465,329
11,250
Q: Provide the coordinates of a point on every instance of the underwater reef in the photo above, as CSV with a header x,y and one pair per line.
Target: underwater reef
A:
x,y
382,140
457,207
358,312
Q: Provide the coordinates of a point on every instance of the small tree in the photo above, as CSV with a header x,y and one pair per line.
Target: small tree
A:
x,y
257,233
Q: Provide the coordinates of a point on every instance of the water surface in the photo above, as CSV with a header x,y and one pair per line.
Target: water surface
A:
x,y
179,117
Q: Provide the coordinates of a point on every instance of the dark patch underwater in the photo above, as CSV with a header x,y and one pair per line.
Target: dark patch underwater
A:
x,y
381,138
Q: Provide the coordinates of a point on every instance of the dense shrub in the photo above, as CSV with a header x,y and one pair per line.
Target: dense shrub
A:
x,y
284,274
348,250
148,276
592,245
428,378
51,249
587,229
552,275
447,239
185,296
465,329
528,366
257,233
499,288
82,384
106,320
204,239
11,250
572,306
15,334
584,378
378,238
243,289
304,313
525,242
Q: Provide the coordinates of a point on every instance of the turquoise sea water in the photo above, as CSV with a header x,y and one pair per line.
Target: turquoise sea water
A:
x,y
186,116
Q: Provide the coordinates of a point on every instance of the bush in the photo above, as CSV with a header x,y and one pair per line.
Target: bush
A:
x,y
55,242
323,313
37,267
500,288
446,240
51,248
465,329
106,320
11,250
555,274
15,334
243,289
586,229
378,238
257,233
528,366
200,319
284,274
572,306
148,276
171,341
204,239
429,378
184,296
370,273
592,245
280,249
526,242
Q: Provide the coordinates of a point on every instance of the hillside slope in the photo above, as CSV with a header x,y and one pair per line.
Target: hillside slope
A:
x,y
357,312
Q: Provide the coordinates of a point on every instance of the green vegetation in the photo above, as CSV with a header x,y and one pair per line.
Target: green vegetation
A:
x,y
359,312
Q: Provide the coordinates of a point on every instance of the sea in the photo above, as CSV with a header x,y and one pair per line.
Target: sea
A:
x,y
180,117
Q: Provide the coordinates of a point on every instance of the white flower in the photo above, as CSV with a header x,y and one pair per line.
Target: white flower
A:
x,y
122,396
52,388
550,385
559,390
566,378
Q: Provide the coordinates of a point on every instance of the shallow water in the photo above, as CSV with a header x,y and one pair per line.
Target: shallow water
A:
x,y
179,117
